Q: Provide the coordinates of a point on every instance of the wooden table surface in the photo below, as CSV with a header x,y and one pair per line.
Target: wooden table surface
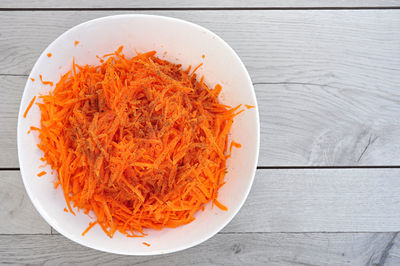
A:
x,y
327,79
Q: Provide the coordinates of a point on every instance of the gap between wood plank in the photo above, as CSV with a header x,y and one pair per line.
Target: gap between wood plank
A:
x,y
244,233
287,167
329,167
199,8
15,75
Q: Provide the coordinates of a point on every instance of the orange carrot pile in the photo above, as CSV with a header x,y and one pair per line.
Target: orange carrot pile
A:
x,y
140,142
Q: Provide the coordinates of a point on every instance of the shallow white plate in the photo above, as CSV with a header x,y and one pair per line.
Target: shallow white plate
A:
x,y
184,43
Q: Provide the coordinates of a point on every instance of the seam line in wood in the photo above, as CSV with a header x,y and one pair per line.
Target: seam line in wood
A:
x,y
202,8
291,167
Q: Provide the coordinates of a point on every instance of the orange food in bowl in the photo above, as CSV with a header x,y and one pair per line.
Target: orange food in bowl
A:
x,y
140,142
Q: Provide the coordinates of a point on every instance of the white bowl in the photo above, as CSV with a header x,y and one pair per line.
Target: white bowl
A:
x,y
184,43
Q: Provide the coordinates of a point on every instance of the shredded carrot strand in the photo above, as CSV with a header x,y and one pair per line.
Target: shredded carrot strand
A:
x,y
45,82
249,106
137,141
29,106
219,205
146,244
41,173
194,70
76,43
33,128
234,144
32,79
188,69
49,55
89,227
100,59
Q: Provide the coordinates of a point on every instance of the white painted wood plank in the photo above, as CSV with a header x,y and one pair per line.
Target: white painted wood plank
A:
x,y
290,200
11,87
338,48
321,200
301,124
196,4
222,249
310,124
17,214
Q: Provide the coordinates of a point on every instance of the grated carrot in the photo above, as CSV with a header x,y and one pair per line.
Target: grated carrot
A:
x,y
140,142
249,106
49,55
32,79
41,173
89,227
100,59
29,106
194,70
32,129
233,144
45,82
76,43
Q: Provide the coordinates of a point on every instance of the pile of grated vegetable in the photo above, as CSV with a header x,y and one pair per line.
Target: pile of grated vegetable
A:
x,y
140,142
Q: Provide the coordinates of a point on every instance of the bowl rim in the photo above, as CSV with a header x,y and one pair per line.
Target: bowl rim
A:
x,y
210,233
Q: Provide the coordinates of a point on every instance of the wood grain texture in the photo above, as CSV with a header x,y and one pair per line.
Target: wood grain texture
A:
x,y
197,4
11,87
321,200
222,249
392,255
311,124
330,47
291,200
17,214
